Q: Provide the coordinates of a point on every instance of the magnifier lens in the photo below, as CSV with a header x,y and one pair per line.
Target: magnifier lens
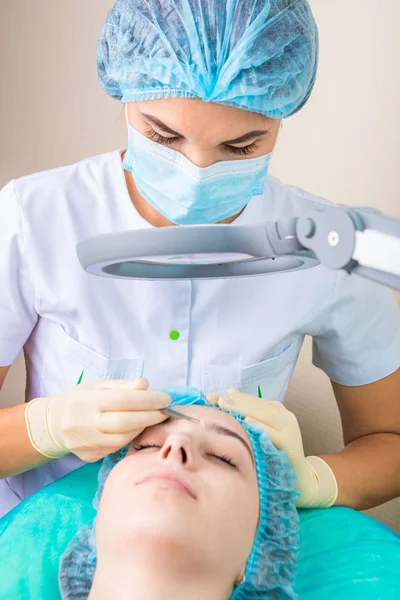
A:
x,y
203,258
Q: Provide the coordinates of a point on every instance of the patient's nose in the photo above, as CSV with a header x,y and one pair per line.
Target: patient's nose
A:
x,y
178,447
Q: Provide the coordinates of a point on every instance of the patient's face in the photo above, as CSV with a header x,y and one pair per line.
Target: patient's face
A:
x,y
184,492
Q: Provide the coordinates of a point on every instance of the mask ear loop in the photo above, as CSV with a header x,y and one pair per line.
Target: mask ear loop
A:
x,y
126,164
278,135
126,115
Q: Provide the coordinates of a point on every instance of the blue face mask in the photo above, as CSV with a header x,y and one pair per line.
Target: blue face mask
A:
x,y
190,195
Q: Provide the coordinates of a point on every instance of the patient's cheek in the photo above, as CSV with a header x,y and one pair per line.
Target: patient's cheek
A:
x,y
115,506
114,485
119,487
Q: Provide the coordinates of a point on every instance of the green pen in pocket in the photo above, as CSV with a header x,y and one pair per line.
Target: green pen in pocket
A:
x,y
80,377
259,392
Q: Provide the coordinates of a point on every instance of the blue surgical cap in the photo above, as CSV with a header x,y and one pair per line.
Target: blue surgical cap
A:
x,y
271,567
257,55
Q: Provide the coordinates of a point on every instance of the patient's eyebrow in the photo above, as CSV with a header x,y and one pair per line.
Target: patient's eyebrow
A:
x,y
215,427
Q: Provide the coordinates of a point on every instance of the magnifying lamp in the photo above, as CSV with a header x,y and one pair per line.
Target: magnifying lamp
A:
x,y
361,241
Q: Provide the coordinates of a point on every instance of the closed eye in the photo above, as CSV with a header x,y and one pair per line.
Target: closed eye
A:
x,y
145,446
223,458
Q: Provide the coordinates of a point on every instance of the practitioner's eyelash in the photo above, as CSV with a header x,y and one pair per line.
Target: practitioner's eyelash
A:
x,y
168,141
245,151
160,139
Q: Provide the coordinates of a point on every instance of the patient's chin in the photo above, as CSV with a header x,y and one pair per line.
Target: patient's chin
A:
x,y
159,540
152,504
159,514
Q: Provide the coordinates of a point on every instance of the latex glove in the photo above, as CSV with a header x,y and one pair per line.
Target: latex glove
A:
x,y
93,419
315,480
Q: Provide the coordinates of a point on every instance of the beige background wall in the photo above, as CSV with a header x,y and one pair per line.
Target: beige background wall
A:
x,y
343,145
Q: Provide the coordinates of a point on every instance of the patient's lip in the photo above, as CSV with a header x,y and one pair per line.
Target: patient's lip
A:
x,y
170,479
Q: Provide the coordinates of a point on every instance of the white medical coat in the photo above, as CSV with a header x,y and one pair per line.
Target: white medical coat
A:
x,y
243,332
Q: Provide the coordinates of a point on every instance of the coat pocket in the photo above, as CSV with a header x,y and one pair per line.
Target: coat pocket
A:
x,y
66,358
271,377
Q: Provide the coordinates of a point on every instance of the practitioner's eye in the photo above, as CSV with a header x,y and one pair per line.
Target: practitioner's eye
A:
x,y
161,139
243,151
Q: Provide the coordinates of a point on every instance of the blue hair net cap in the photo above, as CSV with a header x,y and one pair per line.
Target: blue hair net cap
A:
x,y
257,55
271,567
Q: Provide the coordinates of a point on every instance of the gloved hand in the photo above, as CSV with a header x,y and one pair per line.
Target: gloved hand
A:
x,y
315,480
93,419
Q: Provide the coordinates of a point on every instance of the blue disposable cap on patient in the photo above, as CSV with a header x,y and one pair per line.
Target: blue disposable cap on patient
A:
x,y
271,567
